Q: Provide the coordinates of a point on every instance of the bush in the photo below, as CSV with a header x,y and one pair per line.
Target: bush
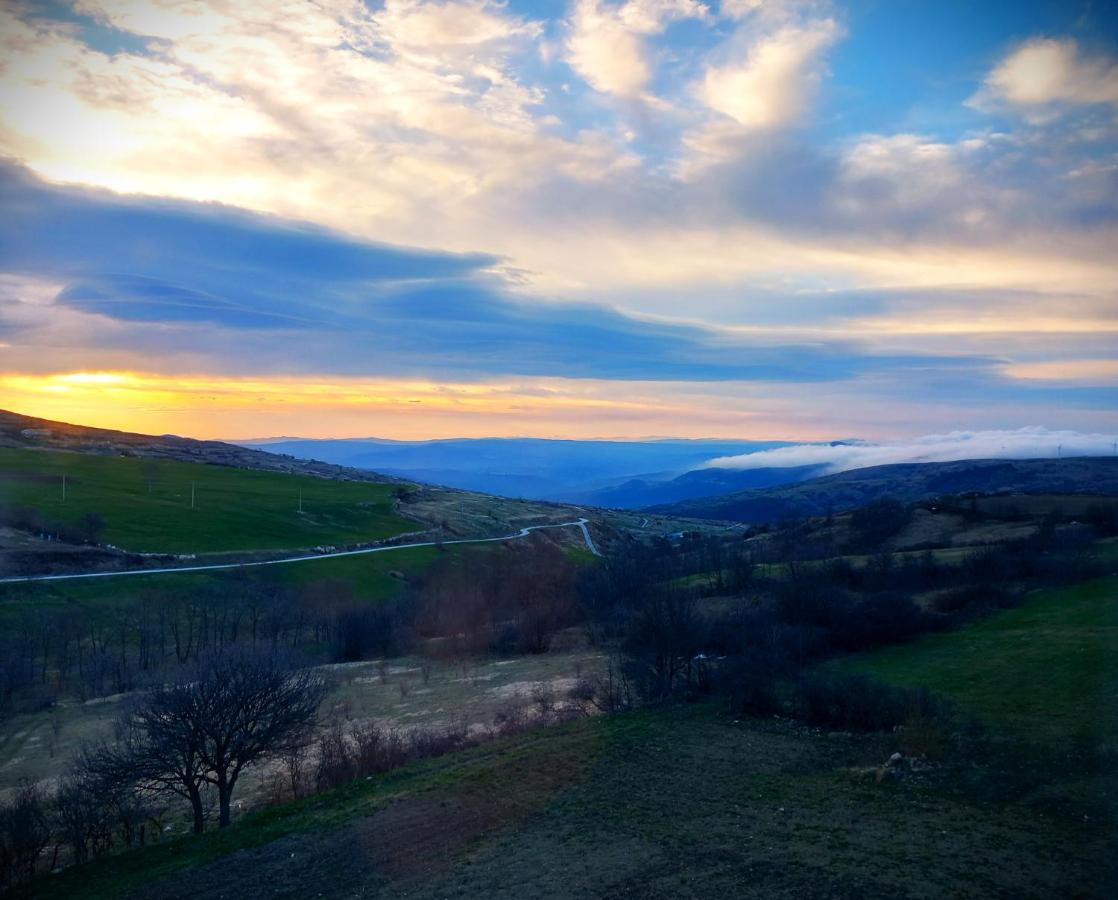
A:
x,y
973,597
369,749
885,618
750,686
856,703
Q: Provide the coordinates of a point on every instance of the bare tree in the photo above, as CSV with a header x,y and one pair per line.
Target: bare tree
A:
x,y
24,834
156,751
231,710
246,707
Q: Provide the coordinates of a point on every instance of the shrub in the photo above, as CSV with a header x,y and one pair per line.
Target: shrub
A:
x,y
750,686
973,597
884,618
856,703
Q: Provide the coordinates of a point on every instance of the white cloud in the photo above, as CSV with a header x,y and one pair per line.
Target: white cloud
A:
x,y
774,84
1045,72
607,46
414,123
1022,443
416,25
892,178
359,120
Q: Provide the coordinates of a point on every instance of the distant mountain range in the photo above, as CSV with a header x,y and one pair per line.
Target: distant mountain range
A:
x,y
906,482
618,474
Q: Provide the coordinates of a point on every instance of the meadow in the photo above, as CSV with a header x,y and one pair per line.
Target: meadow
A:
x,y
1046,670
161,506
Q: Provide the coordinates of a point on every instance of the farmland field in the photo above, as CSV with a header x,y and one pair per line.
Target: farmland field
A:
x,y
146,504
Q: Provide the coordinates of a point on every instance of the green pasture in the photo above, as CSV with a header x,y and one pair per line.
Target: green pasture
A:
x,y
146,504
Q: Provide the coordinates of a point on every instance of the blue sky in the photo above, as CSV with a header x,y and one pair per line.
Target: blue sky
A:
x,y
754,218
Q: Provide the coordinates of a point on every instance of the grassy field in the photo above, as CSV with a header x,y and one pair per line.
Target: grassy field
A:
x,y
669,803
1048,669
146,504
376,576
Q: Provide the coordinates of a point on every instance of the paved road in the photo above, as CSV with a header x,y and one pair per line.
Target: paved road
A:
x,y
524,532
581,523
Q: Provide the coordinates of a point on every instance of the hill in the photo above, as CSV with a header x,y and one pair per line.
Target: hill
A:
x,y
906,482
133,492
649,490
164,506
128,493
27,432
1069,633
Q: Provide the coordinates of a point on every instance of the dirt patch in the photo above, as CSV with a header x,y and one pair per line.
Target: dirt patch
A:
x,y
419,837
415,839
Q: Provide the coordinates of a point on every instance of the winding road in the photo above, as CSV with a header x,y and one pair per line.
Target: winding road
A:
x,y
524,532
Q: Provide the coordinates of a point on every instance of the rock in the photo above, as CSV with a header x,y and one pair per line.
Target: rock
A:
x,y
896,759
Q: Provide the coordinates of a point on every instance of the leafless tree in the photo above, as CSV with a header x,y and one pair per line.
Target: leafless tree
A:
x,y
228,711
245,707
24,834
157,751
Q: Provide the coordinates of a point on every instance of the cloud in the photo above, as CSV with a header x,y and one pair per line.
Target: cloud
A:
x,y
699,241
450,27
254,293
606,44
1044,72
389,125
373,121
774,84
1022,443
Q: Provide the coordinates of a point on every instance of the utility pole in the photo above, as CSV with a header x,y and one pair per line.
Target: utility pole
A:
x,y
63,487
192,495
300,501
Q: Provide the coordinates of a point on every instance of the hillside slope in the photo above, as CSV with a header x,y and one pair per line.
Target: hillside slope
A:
x,y
906,482
166,506
646,491
27,432
661,803
140,488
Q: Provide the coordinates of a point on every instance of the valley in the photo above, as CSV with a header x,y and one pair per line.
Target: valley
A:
x,y
873,692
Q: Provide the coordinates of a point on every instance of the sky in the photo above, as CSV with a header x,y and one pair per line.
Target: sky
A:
x,y
782,219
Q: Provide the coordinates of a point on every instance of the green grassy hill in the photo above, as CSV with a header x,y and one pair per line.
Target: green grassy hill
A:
x,y
1046,670
146,504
